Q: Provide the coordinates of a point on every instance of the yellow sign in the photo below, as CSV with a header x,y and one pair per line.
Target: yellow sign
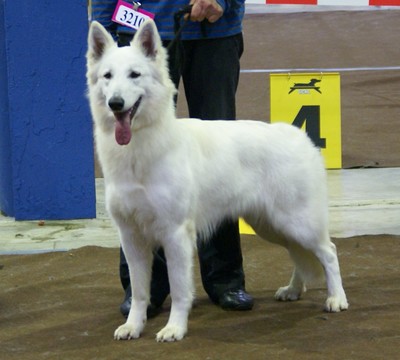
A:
x,y
311,101
245,228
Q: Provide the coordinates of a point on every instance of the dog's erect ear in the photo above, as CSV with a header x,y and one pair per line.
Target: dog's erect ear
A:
x,y
148,39
98,41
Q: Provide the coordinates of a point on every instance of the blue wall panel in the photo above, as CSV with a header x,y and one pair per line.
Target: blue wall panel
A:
x,y
6,190
50,125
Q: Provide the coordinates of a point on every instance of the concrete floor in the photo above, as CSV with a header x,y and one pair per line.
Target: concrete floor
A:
x,y
361,202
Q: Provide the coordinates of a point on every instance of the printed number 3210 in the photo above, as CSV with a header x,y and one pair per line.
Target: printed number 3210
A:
x,y
131,18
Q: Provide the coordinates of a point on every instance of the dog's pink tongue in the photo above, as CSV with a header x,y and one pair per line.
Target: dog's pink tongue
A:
x,y
123,129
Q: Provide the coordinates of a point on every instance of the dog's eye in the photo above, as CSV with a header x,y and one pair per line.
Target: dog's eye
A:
x,y
134,74
108,75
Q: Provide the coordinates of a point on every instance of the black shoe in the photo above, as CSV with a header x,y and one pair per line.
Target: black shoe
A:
x,y
236,299
125,307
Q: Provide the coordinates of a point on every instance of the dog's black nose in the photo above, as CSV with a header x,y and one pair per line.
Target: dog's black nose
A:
x,y
116,103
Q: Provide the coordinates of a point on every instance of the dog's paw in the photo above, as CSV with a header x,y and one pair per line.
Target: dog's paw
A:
x,y
336,304
126,332
288,293
171,333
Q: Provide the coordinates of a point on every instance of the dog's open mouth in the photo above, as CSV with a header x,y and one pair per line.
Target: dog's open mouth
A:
x,y
123,131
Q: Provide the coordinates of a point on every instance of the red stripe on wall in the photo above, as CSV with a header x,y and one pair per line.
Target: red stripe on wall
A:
x,y
315,2
298,2
385,2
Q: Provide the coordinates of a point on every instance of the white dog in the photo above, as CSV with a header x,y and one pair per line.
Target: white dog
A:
x,y
169,179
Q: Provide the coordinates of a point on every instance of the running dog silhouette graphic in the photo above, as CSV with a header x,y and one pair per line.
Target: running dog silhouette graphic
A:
x,y
303,86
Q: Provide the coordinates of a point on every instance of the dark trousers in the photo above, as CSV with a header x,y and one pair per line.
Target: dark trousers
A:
x,y
210,70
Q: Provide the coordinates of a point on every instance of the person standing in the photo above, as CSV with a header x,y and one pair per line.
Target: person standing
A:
x,y
207,59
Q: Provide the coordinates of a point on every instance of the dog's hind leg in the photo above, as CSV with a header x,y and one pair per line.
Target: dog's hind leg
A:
x,y
336,300
296,285
310,265
293,291
179,248
313,254
139,258
307,269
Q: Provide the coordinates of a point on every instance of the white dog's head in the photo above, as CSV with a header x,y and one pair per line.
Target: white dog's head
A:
x,y
127,84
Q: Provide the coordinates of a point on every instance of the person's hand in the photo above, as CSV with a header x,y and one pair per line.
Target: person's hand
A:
x,y
205,9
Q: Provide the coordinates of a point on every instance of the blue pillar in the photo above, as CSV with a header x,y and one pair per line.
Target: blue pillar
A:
x,y
46,142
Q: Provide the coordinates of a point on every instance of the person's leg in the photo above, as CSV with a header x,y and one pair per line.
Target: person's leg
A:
x,y
221,266
210,75
126,283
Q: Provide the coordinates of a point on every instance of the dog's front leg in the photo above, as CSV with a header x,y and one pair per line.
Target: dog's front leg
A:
x,y
139,258
179,254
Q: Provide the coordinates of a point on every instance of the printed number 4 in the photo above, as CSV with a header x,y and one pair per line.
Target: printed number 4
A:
x,y
310,115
